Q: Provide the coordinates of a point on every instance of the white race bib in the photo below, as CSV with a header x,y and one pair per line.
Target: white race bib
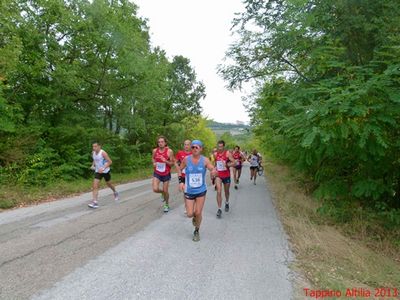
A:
x,y
221,165
195,180
160,167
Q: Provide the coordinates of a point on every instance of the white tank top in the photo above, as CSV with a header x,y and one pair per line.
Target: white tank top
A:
x,y
254,160
100,161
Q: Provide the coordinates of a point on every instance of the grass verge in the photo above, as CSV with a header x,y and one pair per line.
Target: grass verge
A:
x,y
13,196
331,256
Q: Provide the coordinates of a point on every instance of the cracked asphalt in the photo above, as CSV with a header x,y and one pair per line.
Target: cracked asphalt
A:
x,y
131,250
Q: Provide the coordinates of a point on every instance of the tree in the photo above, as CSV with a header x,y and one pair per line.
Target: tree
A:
x,y
327,99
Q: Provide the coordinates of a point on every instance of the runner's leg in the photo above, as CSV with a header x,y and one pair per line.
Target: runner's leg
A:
x,y
156,185
218,184
198,210
111,186
189,207
95,189
165,192
226,189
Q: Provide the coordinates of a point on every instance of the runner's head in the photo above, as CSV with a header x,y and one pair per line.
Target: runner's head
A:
x,y
96,146
161,142
221,145
197,147
237,148
255,152
186,145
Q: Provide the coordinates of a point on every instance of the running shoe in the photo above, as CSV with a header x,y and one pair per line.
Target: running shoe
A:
x,y
219,213
236,187
166,208
226,206
116,196
196,235
93,204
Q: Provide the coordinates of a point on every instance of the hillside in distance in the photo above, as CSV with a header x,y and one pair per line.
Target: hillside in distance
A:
x,y
234,129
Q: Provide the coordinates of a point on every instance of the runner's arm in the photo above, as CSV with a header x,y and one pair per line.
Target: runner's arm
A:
x,y
152,157
181,167
93,167
171,161
108,163
181,179
211,168
177,161
231,159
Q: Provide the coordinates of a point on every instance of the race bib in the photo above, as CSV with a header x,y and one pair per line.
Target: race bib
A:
x,y
195,180
221,165
160,167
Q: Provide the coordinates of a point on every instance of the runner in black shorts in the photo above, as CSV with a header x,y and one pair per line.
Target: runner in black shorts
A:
x,y
101,165
254,160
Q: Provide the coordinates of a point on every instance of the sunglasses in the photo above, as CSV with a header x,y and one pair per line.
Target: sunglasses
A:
x,y
195,147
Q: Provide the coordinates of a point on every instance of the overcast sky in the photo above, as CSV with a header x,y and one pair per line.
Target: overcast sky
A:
x,y
200,31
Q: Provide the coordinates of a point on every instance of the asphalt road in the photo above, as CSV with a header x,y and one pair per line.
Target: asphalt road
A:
x,y
131,250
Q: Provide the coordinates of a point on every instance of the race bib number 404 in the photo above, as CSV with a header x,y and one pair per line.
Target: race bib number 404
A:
x,y
195,180
160,167
221,165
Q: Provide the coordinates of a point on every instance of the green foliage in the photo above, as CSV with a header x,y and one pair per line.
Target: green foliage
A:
x,y
328,74
72,72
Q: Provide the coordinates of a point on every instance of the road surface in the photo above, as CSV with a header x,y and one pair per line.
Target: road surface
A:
x,y
131,250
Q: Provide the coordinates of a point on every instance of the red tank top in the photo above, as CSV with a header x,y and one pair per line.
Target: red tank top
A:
x,y
161,168
220,162
237,156
180,156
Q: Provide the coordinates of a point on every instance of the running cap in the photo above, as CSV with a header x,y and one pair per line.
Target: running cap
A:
x,y
197,143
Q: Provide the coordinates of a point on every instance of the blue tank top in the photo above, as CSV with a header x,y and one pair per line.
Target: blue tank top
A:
x,y
195,176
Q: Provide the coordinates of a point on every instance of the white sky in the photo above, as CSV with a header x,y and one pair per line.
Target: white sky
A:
x,y
200,31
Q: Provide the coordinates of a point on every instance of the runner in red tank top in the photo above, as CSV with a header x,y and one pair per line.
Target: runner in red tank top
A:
x,y
237,169
180,156
223,162
163,159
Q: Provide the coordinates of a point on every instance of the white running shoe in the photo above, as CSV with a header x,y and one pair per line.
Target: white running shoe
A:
x,y
93,204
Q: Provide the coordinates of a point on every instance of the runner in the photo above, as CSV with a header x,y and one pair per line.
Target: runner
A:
x,y
101,165
255,161
195,188
180,156
163,159
237,169
223,161
212,159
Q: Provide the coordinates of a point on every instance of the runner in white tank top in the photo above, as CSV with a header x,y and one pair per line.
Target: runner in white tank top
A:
x,y
101,166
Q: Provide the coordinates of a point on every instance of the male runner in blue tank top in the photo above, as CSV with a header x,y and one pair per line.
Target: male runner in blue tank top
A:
x,y
195,186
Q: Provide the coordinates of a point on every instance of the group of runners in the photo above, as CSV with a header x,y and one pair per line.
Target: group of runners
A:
x,y
191,166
